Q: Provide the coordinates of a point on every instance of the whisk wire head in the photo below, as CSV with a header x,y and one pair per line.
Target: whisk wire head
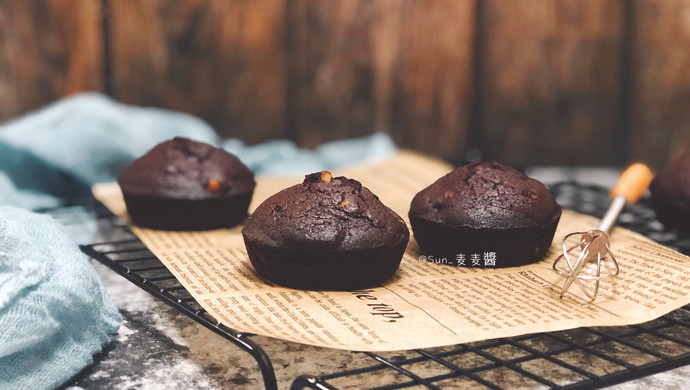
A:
x,y
591,262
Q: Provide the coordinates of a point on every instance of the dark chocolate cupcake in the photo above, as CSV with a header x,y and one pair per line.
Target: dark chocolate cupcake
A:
x,y
187,185
671,193
485,214
326,233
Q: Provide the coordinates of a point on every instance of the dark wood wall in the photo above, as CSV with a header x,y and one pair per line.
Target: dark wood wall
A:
x,y
523,81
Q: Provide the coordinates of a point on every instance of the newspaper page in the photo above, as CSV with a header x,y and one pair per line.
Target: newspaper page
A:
x,y
425,304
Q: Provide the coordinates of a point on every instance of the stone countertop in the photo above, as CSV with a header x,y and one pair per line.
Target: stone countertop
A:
x,y
157,347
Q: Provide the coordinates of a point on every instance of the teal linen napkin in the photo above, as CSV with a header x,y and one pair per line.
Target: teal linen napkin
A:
x,y
61,150
54,312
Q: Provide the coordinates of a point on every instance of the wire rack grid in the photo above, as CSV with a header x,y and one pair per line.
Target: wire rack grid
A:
x,y
573,359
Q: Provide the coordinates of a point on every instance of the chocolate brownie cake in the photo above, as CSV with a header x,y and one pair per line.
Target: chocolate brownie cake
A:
x,y
327,233
187,185
485,214
671,193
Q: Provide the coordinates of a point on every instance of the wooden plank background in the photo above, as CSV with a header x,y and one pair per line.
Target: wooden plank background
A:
x,y
47,50
551,80
582,82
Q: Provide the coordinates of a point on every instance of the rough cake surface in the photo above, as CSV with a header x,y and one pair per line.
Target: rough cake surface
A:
x,y
486,195
186,169
339,214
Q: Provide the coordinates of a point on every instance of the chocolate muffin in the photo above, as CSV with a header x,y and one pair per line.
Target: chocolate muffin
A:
x,y
671,193
485,214
187,185
328,233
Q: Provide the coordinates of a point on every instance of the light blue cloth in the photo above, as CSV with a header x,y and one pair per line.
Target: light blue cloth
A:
x,y
283,157
63,149
59,152
54,313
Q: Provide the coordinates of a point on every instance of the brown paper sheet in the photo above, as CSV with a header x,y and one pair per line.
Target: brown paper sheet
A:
x,y
426,304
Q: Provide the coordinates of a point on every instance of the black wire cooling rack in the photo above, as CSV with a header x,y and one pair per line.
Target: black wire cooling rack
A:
x,y
573,359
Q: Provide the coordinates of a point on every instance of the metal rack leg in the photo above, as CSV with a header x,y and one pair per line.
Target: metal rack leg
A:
x,y
265,365
311,382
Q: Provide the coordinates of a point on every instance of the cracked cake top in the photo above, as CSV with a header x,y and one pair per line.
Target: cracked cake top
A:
x,y
332,213
486,195
186,169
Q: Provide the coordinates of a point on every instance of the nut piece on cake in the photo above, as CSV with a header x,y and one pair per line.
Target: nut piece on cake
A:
x,y
187,185
487,214
328,233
